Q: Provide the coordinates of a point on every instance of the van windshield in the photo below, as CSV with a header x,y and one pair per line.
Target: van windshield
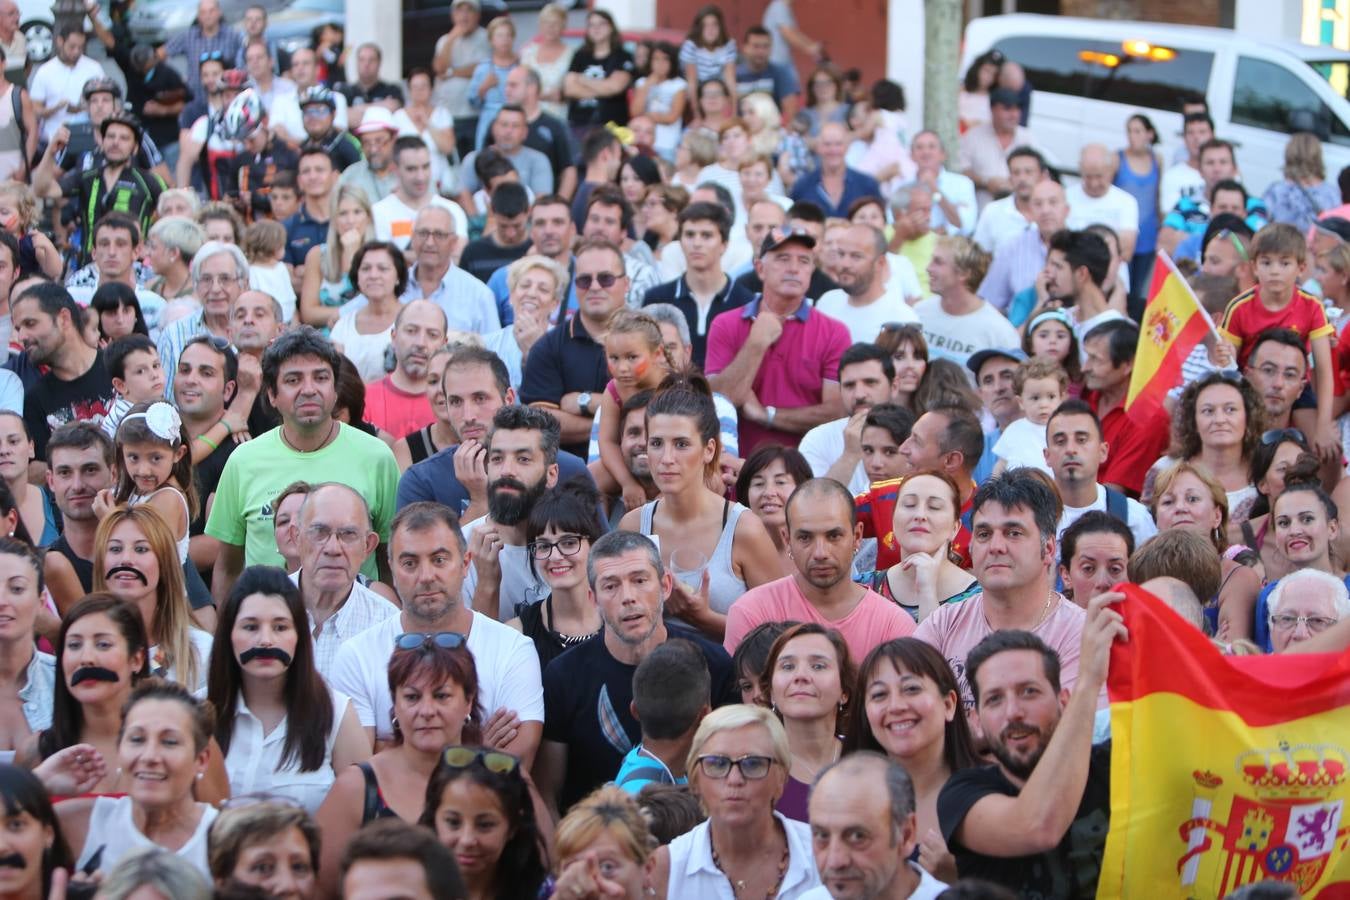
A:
x,y
1336,72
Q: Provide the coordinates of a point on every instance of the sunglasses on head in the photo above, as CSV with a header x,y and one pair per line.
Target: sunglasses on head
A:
x,y
1223,234
494,761
605,279
1280,435
417,640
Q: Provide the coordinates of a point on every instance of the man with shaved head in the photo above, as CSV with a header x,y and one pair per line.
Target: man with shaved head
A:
x,y
862,301
398,402
822,533
1097,201
834,186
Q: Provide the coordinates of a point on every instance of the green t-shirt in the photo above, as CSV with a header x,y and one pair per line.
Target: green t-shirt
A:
x,y
257,471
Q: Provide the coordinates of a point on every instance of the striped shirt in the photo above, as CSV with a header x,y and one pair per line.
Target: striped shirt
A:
x,y
362,609
1015,267
708,63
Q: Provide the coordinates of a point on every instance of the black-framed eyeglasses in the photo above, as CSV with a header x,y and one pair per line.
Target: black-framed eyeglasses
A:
x,y
1280,435
418,640
494,761
753,768
568,545
605,279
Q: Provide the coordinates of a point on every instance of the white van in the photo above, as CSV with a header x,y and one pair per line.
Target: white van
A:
x,y
1090,75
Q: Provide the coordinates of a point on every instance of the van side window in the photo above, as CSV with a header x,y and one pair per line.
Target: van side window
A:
x,y
1102,70
1266,95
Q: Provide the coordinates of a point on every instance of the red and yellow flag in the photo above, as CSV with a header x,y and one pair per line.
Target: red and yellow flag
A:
x,y
1174,322
1225,770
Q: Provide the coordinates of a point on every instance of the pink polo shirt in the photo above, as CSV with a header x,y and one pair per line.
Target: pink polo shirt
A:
x,y
873,621
395,410
794,370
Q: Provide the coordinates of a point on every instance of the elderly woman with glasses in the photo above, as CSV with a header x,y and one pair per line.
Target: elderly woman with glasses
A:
x,y
738,767
219,276
435,690
1303,604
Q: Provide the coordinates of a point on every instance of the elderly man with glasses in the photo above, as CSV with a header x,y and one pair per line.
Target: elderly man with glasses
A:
x,y
468,303
219,276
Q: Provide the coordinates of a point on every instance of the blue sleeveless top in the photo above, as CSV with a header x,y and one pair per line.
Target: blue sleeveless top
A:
x,y
1144,189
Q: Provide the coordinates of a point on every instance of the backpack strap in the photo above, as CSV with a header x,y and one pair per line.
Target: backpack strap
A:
x,y
1117,506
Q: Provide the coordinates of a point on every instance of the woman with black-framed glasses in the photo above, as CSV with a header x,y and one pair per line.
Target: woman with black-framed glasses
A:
x,y
738,767
262,681
434,684
562,527
484,810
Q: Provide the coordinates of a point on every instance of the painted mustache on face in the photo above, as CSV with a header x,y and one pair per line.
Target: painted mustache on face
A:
x,y
276,653
118,570
93,673
13,861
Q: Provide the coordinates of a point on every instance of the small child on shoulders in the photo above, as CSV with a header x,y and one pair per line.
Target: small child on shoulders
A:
x,y
1041,385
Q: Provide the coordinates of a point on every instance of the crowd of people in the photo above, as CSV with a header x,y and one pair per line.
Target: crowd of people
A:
x,y
606,471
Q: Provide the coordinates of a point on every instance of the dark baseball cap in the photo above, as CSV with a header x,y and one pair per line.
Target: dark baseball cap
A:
x,y
1004,97
977,360
777,237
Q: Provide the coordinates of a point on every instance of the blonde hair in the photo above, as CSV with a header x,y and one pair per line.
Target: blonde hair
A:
x,y
643,324
1338,257
701,146
171,629
608,810
263,240
553,11
499,23
969,258
1039,367
331,263
186,195
732,717
517,270
1303,158
1168,477
25,203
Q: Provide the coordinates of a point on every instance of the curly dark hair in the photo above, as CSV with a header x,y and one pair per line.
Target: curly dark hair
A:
x,y
1186,437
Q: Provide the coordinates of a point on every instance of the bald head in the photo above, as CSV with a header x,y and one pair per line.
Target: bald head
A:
x,y
832,144
1097,166
335,504
255,321
822,494
1049,209
1178,595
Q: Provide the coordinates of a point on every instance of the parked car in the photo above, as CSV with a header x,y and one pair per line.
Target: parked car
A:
x,y
1090,75
293,26
155,21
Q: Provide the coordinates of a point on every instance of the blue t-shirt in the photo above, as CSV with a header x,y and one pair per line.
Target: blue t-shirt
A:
x,y
639,769
434,479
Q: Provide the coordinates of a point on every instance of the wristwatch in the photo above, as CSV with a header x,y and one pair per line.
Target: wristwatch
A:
x,y
770,413
584,402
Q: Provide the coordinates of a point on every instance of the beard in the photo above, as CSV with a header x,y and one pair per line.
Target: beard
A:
x,y
1021,766
513,508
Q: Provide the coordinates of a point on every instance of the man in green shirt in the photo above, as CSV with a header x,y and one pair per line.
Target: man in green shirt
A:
x,y
299,374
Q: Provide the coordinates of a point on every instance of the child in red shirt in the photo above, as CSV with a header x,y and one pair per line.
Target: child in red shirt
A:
x,y
1279,253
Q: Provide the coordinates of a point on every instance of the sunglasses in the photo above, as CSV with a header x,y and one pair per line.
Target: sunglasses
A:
x,y
1223,234
210,56
494,761
416,640
753,768
605,279
1280,435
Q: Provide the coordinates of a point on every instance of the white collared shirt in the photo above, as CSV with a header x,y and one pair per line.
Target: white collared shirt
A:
x,y
39,691
362,609
693,873
254,762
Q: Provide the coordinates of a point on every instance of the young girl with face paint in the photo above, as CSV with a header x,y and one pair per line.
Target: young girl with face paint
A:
x,y
262,678
637,362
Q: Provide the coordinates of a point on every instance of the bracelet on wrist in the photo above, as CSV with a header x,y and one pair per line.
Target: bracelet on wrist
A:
x,y
208,442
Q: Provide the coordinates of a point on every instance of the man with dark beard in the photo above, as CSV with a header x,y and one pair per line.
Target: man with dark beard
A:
x,y
522,463
1036,820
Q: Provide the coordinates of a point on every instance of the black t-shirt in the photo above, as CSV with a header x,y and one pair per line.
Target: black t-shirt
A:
x,y
164,85
599,110
484,256
357,95
587,694
52,402
207,472
553,139
565,360
1068,872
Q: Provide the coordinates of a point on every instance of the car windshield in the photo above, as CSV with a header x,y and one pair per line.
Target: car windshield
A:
x,y
1336,72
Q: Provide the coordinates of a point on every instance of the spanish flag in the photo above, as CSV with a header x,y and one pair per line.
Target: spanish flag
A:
x,y
1225,770
1174,323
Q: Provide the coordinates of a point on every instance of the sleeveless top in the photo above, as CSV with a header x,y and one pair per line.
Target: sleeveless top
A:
x,y
536,624
373,807
28,261
1144,189
879,582
421,445
84,568
113,834
138,499
724,587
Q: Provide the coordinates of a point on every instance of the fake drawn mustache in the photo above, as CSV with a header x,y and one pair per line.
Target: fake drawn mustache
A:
x,y
93,673
13,861
276,653
118,570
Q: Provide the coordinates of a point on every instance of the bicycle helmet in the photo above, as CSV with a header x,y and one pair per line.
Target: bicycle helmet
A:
x,y
122,118
233,80
318,94
101,86
243,116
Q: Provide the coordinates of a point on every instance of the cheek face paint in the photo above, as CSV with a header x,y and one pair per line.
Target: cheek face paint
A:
x,y
641,368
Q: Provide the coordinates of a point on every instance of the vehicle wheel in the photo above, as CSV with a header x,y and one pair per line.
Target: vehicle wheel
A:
x,y
40,40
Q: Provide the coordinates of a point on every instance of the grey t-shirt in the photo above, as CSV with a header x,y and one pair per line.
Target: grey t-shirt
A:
x,y
533,167
776,14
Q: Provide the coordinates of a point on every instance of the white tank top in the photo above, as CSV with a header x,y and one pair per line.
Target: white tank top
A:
x,y
724,585
112,829
185,540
